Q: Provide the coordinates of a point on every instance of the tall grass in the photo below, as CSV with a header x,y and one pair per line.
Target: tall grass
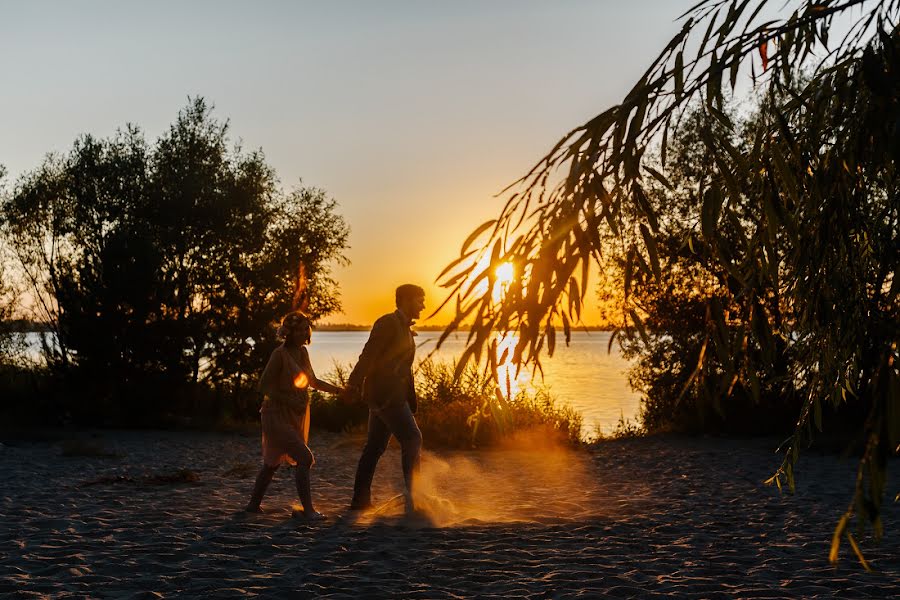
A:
x,y
461,412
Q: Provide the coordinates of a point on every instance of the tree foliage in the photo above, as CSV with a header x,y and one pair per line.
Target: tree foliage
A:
x,y
799,222
161,269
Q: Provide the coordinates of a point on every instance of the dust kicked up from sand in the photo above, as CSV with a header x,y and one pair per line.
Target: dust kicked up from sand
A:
x,y
531,479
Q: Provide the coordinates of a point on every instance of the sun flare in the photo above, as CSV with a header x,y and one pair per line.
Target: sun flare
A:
x,y
504,273
301,381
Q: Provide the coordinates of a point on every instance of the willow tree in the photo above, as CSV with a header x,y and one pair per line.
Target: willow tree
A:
x,y
813,266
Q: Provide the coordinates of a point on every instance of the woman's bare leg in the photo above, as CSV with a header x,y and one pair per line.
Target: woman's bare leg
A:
x,y
304,492
263,479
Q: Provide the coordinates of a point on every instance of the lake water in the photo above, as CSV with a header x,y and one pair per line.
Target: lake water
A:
x,y
583,375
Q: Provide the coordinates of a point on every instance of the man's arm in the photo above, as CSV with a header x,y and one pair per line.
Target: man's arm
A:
x,y
378,343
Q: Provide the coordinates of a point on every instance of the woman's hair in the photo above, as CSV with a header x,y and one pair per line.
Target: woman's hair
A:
x,y
292,320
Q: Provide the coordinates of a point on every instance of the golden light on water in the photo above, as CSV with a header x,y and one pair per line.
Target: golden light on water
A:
x,y
510,381
301,381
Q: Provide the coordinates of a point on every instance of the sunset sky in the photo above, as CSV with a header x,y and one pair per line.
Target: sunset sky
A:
x,y
412,115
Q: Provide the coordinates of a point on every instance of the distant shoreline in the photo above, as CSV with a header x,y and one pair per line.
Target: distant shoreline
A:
x,y
22,326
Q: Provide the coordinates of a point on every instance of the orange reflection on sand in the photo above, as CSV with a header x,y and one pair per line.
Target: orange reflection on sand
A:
x,y
301,381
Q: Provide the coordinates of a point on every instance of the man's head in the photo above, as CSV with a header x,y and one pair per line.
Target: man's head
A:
x,y
410,299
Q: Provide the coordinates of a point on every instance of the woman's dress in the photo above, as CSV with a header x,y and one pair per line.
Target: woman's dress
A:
x,y
285,409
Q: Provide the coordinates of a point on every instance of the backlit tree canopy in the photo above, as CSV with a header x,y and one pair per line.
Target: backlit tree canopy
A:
x,y
162,267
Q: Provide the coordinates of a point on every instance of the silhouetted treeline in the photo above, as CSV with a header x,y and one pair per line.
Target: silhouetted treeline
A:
x,y
160,270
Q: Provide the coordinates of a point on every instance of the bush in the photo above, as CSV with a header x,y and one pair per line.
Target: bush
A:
x,y
465,411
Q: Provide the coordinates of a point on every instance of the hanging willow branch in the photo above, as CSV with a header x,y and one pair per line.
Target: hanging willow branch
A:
x,y
827,146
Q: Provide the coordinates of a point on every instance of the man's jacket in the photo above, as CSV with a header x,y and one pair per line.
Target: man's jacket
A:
x,y
384,369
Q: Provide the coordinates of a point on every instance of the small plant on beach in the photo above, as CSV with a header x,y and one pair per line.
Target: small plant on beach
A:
x,y
625,429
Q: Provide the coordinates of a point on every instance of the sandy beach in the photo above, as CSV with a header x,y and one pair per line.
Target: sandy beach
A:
x,y
157,514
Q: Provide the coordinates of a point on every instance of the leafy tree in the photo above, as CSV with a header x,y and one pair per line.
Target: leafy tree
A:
x,y
162,268
748,390
8,298
803,220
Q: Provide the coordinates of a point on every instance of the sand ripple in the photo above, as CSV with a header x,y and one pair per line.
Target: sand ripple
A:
x,y
156,515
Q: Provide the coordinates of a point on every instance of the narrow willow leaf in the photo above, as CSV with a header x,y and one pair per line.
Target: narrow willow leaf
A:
x,y
629,270
645,207
650,242
735,65
476,234
453,264
639,323
858,552
664,145
836,538
712,204
679,75
613,337
659,177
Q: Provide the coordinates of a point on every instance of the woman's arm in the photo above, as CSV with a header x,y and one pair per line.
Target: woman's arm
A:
x,y
315,382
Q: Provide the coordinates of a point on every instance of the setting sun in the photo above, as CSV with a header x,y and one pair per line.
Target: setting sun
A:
x,y
504,273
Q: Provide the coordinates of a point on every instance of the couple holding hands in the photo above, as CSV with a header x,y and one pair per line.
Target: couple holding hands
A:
x,y
382,378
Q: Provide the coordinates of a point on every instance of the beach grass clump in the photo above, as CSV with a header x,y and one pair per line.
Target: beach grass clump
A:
x,y
625,429
467,411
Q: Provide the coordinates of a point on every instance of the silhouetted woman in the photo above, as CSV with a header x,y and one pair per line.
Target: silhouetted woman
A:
x,y
285,384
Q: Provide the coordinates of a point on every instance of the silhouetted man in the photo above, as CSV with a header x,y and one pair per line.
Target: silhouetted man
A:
x,y
384,377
